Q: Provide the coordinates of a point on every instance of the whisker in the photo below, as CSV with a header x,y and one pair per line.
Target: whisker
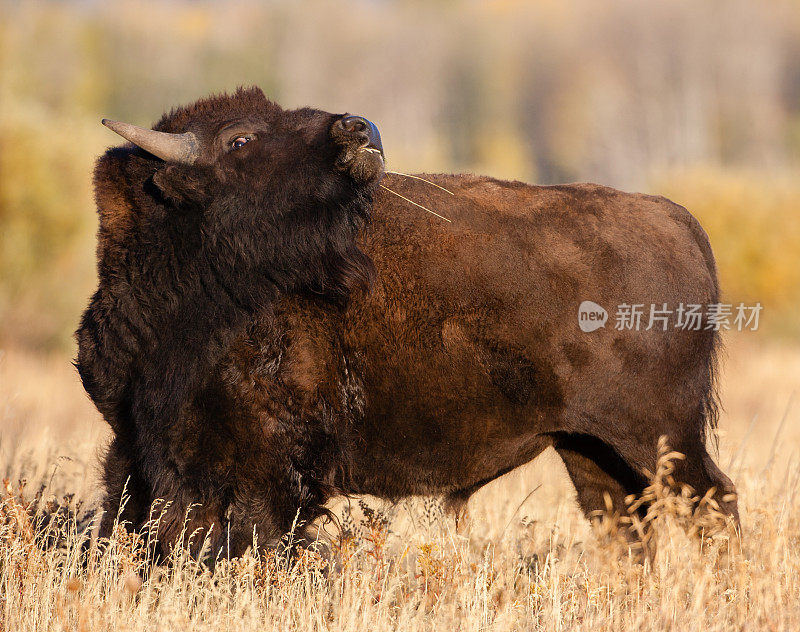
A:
x,y
408,175
415,204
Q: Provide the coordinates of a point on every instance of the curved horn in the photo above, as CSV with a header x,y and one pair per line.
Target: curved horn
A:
x,y
182,148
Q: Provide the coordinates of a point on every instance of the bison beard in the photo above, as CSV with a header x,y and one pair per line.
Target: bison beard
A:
x,y
258,346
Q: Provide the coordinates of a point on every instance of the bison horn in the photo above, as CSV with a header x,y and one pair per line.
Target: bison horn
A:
x,y
182,148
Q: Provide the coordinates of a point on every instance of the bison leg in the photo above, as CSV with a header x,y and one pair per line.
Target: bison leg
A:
x,y
699,471
602,481
273,509
174,511
253,520
696,469
125,500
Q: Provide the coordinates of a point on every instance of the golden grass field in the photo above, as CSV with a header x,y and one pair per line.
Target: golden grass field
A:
x,y
523,563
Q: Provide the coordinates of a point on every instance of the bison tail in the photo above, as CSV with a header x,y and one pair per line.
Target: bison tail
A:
x,y
710,403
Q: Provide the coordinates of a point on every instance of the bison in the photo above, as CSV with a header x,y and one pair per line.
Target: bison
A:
x,y
277,323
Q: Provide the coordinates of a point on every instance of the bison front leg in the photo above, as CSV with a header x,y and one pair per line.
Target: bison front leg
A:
x,y
287,436
126,497
172,512
273,508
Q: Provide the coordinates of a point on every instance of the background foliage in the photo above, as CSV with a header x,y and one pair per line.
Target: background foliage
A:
x,y
696,100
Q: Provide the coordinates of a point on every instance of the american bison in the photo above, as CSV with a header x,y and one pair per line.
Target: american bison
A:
x,y
272,327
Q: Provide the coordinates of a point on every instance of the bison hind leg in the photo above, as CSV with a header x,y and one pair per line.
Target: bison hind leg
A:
x,y
604,475
603,481
698,470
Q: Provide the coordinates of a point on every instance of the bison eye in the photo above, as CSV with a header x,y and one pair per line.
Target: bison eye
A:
x,y
239,141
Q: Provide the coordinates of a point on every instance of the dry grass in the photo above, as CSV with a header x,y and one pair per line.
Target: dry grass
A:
x,y
534,566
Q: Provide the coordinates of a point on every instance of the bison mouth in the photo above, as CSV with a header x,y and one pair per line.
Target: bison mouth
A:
x,y
361,154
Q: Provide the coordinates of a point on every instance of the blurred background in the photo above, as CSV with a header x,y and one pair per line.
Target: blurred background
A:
x,y
698,101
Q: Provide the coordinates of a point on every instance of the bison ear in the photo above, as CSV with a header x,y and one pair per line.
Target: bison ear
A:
x,y
180,184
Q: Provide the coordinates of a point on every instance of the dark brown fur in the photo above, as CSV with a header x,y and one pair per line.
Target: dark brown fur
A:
x,y
258,348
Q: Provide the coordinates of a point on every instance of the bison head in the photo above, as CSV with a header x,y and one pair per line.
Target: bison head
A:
x,y
207,218
254,191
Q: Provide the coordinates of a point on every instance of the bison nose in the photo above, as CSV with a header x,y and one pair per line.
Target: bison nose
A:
x,y
355,124
364,130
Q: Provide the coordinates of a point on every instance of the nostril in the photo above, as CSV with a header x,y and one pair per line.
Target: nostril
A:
x,y
353,130
355,124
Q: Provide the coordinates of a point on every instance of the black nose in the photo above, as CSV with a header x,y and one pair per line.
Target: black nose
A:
x,y
363,129
355,123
